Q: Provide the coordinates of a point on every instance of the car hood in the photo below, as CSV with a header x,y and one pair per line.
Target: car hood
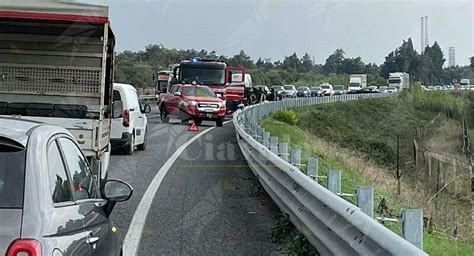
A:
x,y
203,99
289,91
10,224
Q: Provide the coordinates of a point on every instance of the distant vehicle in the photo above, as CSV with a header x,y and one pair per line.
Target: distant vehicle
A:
x,y
327,89
339,89
465,82
279,90
162,79
437,88
383,89
316,92
444,88
50,200
357,82
194,102
392,89
129,122
290,91
236,88
370,89
303,91
400,80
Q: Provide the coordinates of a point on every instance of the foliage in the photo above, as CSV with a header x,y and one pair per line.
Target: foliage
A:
x,y
138,68
287,116
296,242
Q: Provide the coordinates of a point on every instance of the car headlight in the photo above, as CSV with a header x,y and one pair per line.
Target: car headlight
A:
x,y
191,103
220,104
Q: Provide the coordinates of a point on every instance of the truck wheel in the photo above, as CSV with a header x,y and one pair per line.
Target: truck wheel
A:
x,y
142,146
164,116
130,147
219,122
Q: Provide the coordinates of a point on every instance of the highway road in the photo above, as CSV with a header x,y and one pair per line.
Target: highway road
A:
x,y
208,201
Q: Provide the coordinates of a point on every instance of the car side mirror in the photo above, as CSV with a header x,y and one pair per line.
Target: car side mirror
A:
x,y
177,94
117,191
218,95
146,109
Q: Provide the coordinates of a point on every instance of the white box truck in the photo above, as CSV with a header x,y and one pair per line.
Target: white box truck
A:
x,y
357,82
56,66
399,80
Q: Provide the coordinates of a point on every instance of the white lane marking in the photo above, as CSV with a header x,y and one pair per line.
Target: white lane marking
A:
x,y
134,233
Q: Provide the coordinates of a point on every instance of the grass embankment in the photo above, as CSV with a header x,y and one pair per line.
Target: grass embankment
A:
x,y
358,137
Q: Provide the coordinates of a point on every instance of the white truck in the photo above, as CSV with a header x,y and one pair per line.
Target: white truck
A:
x,y
357,82
465,84
399,80
56,66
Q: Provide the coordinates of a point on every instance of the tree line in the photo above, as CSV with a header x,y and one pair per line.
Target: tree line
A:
x,y
138,68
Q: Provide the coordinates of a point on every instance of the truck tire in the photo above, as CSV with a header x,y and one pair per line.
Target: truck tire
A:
x,y
164,116
142,146
219,122
130,147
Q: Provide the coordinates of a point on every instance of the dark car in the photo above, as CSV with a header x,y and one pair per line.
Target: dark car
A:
x,y
339,90
370,89
50,201
316,92
303,91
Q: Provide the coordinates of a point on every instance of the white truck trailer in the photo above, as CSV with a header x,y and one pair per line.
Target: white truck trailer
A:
x,y
357,82
56,66
399,80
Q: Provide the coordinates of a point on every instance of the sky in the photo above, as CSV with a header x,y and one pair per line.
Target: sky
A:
x,y
277,28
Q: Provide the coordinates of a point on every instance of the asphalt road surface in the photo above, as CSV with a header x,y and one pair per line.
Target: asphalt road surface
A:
x,y
208,203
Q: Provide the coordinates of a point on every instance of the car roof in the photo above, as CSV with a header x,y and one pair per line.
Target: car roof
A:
x,y
124,86
16,129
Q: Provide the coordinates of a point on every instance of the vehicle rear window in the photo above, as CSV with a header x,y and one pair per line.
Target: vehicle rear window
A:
x,y
12,174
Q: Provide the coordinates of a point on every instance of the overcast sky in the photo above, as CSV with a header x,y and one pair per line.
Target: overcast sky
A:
x,y
277,28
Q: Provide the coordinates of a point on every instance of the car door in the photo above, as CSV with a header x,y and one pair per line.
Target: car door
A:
x,y
139,122
65,219
174,100
101,239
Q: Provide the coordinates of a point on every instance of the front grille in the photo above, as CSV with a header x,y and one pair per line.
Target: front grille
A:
x,y
208,105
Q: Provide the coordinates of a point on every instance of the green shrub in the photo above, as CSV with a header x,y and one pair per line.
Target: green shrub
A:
x,y
286,116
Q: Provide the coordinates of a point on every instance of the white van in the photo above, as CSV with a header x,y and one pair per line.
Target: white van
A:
x,y
327,89
129,122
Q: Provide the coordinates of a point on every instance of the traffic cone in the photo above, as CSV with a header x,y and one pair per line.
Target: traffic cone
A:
x,y
193,127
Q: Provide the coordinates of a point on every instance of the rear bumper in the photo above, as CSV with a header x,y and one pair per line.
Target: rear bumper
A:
x,y
122,142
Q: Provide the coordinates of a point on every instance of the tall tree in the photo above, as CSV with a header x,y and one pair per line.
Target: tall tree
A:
x,y
306,63
291,62
353,66
334,62
472,62
242,60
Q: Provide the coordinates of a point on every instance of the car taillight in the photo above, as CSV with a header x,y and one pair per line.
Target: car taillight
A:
x,y
27,247
126,118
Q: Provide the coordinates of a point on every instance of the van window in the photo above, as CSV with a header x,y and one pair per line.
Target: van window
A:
x,y
58,181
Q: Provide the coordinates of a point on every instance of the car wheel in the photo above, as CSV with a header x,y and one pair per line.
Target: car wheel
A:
x,y
219,122
130,147
164,116
142,146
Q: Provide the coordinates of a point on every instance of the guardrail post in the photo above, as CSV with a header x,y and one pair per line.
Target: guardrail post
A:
x,y
334,181
365,199
312,168
296,157
274,144
412,227
283,148
266,139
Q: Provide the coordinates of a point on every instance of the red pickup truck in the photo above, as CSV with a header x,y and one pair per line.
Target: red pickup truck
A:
x,y
191,101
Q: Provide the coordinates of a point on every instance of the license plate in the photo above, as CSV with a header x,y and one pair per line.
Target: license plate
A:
x,y
209,115
208,110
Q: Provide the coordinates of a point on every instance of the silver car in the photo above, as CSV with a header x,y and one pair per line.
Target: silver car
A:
x,y
50,201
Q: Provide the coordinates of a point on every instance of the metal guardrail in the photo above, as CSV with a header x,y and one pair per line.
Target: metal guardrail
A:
x,y
333,225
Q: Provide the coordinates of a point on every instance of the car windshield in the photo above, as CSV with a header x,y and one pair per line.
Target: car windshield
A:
x,y
394,80
302,88
12,173
338,87
277,87
316,88
288,87
206,76
198,91
325,86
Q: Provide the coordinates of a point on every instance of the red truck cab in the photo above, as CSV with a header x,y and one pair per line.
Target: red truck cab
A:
x,y
191,101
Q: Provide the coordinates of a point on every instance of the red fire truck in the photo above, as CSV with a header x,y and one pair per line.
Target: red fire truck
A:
x,y
227,82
